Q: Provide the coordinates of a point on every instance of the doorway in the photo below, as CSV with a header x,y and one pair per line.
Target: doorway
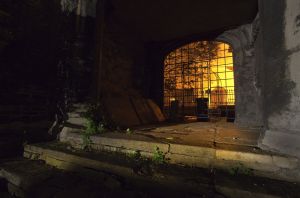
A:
x,y
199,82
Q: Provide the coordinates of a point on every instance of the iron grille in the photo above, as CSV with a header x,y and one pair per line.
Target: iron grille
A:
x,y
200,73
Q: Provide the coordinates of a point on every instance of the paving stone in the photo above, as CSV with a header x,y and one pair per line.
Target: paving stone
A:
x,y
244,156
24,173
193,151
286,162
173,181
266,163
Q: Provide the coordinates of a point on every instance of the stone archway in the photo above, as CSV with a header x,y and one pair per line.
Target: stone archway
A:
x,y
247,87
195,72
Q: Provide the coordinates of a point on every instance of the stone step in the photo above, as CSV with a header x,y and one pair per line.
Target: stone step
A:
x,y
27,178
138,171
261,163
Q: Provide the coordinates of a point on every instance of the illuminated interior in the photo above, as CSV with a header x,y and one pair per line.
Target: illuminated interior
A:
x,y
199,70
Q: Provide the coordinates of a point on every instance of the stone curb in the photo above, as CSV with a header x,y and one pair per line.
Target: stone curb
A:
x,y
78,163
268,165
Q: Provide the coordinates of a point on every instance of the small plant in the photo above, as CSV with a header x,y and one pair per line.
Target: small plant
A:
x,y
240,170
91,126
86,141
158,156
136,155
129,131
95,124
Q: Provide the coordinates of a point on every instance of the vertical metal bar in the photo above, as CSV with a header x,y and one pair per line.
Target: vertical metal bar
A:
x,y
225,65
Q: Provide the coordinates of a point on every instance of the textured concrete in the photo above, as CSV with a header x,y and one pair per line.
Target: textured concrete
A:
x,y
280,23
204,133
248,109
262,163
178,179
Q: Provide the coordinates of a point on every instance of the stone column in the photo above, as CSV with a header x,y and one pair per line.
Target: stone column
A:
x,y
281,61
247,89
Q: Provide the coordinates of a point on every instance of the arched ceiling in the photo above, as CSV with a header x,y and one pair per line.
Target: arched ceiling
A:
x,y
159,20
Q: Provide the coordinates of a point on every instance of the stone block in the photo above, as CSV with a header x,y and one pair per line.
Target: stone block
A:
x,y
69,134
130,144
283,142
189,160
79,108
194,151
244,157
286,162
79,121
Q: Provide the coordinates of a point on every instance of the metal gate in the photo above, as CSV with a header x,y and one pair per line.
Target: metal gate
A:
x,y
199,81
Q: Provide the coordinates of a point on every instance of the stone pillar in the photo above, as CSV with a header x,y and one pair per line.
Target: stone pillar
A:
x,y
79,64
281,60
247,89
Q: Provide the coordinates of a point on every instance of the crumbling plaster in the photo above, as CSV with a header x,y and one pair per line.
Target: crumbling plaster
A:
x,y
281,60
247,89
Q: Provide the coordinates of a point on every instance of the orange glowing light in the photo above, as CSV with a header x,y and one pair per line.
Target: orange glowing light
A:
x,y
191,72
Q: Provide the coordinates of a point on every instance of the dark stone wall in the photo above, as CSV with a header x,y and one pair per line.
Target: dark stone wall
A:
x,y
45,65
280,59
277,86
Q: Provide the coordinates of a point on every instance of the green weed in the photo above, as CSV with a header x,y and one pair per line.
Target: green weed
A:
x,y
136,155
129,131
158,156
240,170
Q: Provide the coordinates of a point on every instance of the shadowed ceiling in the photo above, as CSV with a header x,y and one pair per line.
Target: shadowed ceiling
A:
x,y
160,20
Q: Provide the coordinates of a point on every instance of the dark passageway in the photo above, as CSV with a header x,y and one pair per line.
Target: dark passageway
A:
x,y
144,98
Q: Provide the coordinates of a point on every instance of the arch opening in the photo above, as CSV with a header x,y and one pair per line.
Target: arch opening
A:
x,y
199,82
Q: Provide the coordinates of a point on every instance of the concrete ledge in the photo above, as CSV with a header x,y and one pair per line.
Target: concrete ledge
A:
x,y
193,179
66,161
131,144
262,163
283,142
195,151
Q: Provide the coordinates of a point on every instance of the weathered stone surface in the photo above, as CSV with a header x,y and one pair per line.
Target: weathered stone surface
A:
x,y
79,121
244,156
248,105
194,151
194,161
94,174
268,165
25,174
286,162
280,22
131,144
